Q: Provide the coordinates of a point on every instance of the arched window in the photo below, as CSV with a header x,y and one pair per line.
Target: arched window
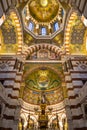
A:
x,y
43,31
31,26
56,26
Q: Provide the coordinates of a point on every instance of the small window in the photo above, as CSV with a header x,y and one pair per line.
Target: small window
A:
x,y
56,26
62,12
31,26
43,31
25,11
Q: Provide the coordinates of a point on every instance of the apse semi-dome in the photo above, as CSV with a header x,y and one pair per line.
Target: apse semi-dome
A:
x,y
43,18
41,80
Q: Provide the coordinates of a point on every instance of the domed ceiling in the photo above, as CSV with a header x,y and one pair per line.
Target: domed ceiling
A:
x,y
43,10
43,18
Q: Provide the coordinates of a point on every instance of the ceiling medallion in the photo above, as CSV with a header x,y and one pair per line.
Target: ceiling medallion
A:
x,y
44,3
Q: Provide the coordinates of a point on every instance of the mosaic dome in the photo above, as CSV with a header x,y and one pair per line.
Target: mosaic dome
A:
x,y
43,11
43,17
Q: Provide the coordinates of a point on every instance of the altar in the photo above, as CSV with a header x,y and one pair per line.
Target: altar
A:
x,y
43,117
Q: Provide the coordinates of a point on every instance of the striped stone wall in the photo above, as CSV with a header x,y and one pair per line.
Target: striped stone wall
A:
x,y
75,71
10,77
75,77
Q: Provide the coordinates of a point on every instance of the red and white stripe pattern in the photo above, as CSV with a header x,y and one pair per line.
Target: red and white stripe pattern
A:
x,y
34,48
73,78
11,78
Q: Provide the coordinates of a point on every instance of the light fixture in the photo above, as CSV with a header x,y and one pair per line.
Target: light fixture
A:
x,y
44,3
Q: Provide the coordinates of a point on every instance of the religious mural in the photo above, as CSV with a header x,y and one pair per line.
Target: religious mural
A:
x,y
77,39
43,54
34,97
28,39
43,79
8,33
59,39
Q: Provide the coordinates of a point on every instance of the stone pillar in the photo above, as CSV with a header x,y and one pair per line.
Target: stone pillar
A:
x,y
16,117
68,114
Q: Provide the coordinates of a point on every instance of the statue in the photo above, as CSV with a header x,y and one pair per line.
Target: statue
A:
x,y
43,98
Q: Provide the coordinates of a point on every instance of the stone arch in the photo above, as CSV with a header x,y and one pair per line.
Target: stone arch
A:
x,y
13,15
37,47
19,30
75,35
70,19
